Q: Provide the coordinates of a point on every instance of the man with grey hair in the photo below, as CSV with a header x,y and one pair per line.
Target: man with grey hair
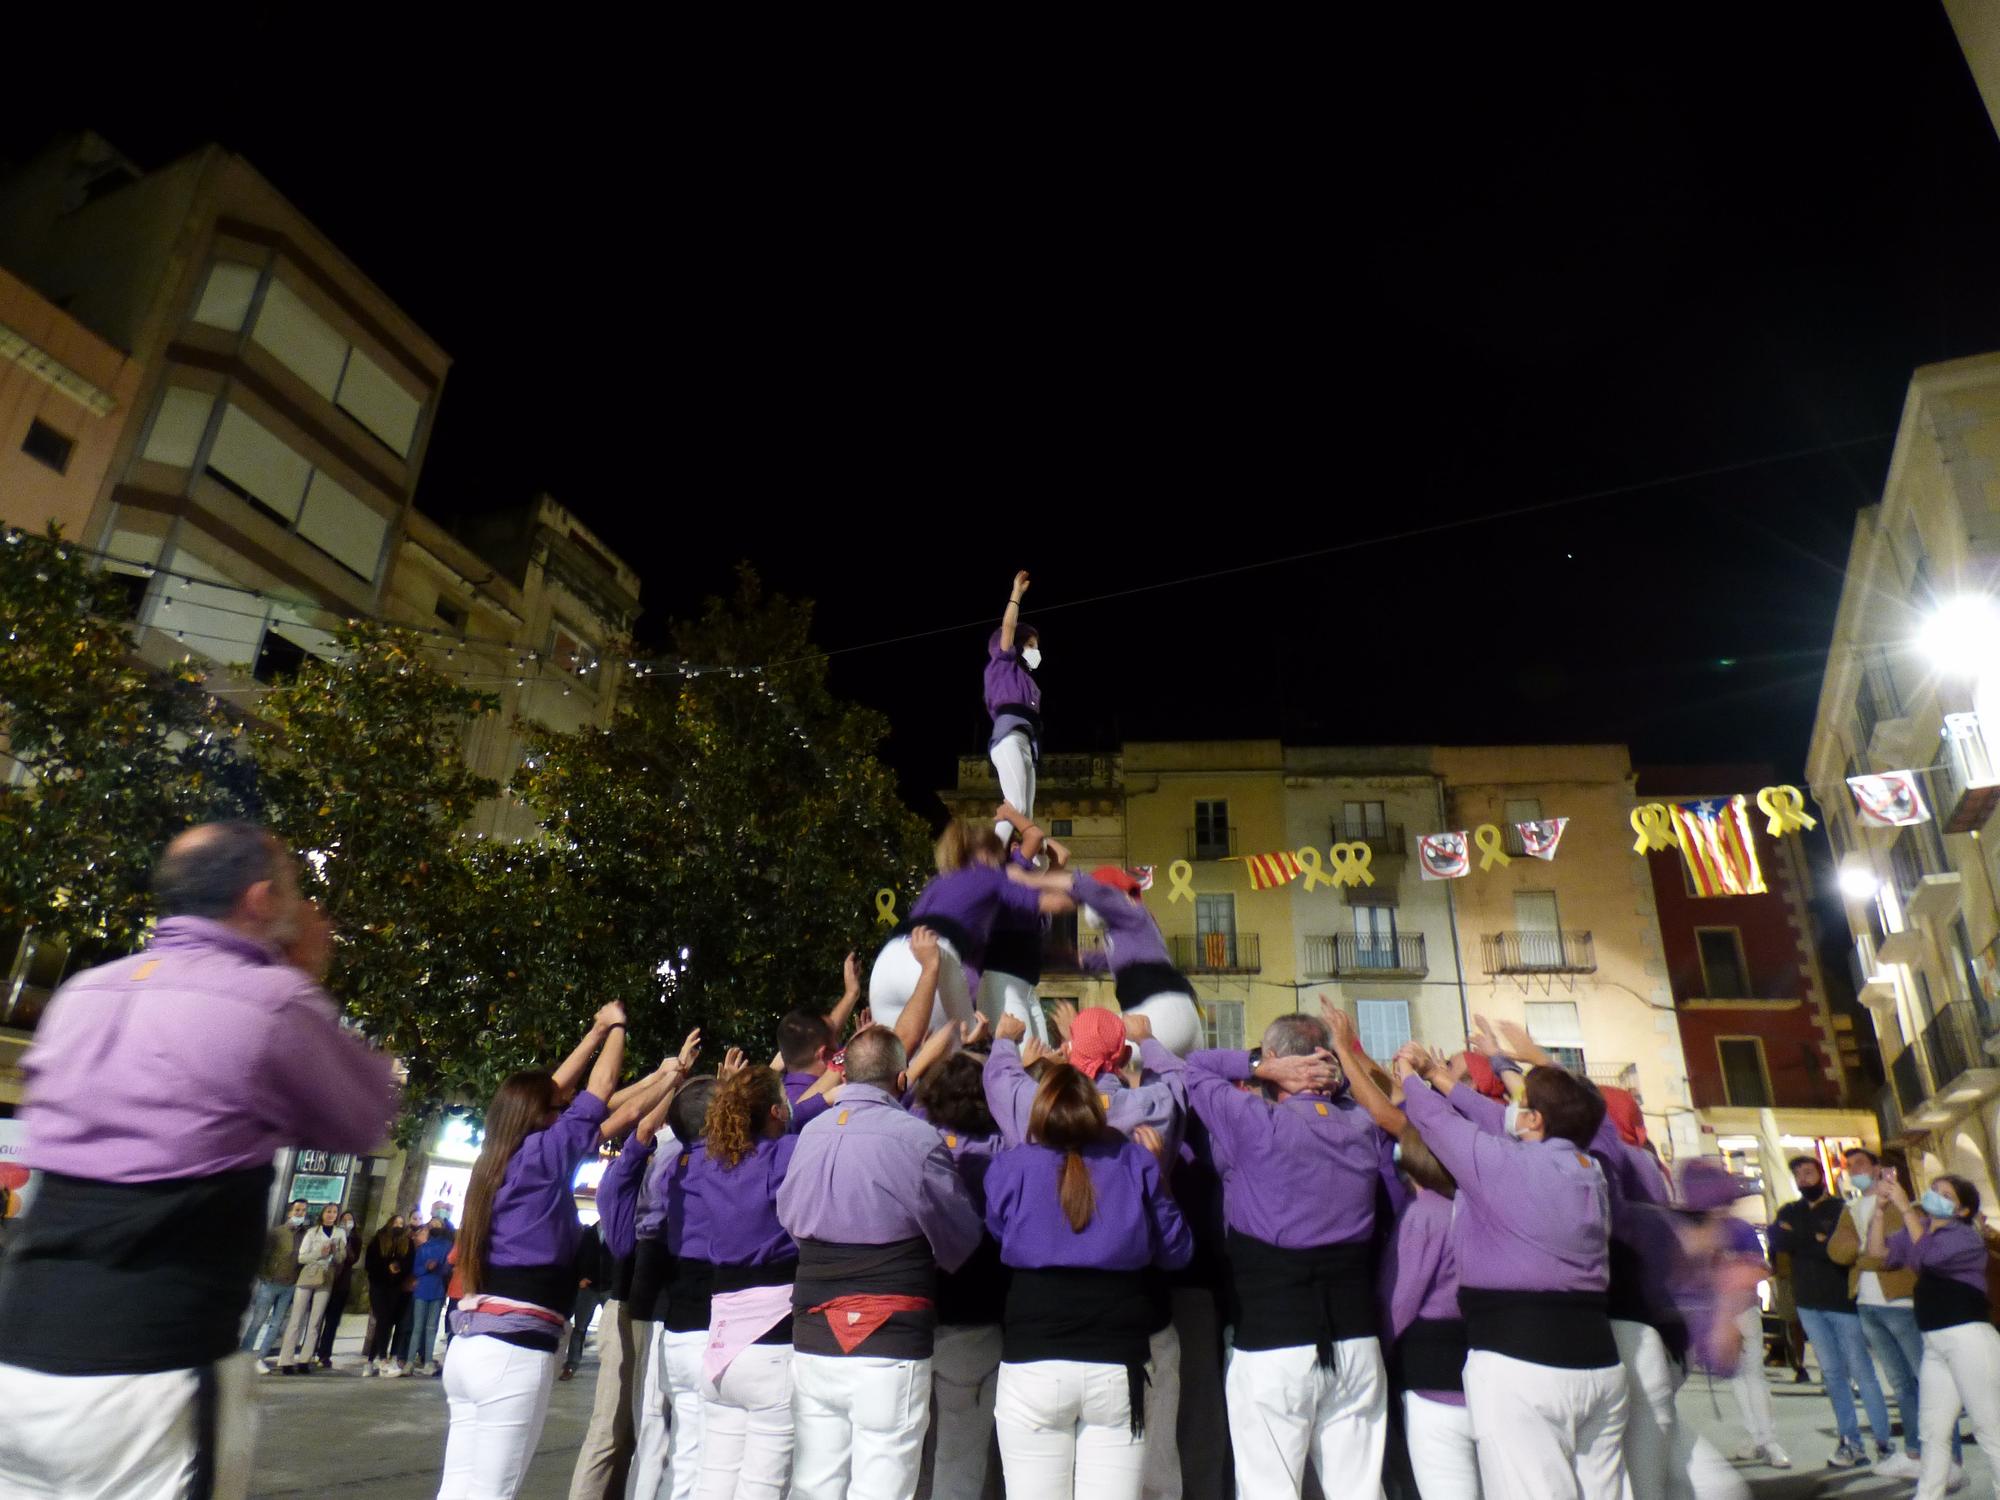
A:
x,y
877,1207
159,1087
1306,1380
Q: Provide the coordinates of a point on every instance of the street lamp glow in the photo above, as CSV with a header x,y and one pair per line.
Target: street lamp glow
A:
x,y
1858,885
1962,636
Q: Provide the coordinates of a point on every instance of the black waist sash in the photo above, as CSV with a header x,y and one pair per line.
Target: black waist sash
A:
x,y
1430,1356
1564,1330
1286,1298
1139,982
1015,952
683,1306
1625,1301
131,1278
975,1295
1946,1302
952,932
1034,720
652,1268
770,1273
902,1268
1092,1317
553,1287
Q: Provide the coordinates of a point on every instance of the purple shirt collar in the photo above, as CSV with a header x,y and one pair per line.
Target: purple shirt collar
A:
x,y
206,932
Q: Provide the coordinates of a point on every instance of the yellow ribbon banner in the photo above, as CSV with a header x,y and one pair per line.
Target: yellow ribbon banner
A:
x,y
1350,864
1785,806
1180,878
1487,837
1655,827
1315,869
885,907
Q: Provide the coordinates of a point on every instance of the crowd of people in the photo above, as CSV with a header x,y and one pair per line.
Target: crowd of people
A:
x,y
949,1226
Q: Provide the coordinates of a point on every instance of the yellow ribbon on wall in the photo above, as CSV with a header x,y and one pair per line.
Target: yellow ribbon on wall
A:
x,y
1655,827
1309,861
885,907
1487,837
1350,863
1180,875
1785,806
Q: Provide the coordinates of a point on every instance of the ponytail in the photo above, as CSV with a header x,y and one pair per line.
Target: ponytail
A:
x,y
1068,1115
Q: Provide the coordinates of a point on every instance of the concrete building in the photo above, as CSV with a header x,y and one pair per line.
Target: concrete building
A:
x,y
65,397
1912,685
1571,947
282,406
1774,1065
531,613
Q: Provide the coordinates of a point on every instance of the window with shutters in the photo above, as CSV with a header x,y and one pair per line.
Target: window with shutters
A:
x,y
1745,1083
1384,1026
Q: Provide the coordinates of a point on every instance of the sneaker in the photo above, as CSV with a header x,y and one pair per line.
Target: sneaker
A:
x,y
371,1368
1848,1456
264,1367
394,1372
1898,1466
1775,1456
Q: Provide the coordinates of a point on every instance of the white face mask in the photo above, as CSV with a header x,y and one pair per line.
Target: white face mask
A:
x,y
1511,1123
296,1220
1032,655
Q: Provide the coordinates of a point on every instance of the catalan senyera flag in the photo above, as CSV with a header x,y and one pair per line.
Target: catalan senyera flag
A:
x,y
1268,870
1716,842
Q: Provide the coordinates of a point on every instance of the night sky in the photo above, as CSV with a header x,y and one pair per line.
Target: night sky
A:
x,y
1136,314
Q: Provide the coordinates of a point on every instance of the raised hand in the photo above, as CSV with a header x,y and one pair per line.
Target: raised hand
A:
x,y
1517,1044
1033,1051
924,947
690,1050
850,974
1058,854
864,1018
609,1016
1297,1075
1137,1027
1148,1137
1062,1015
733,1062
1482,1040
1020,584
1010,1028
934,1050
982,1031
1341,1024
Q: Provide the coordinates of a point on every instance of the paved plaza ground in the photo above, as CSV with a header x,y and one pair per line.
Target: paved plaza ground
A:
x,y
337,1434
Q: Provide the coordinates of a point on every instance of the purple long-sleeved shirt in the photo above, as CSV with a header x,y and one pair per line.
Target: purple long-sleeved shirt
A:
x,y
868,1173
1008,680
973,898
1954,1250
204,1054
738,1205
1135,1223
1424,1272
618,1193
1298,1174
1160,1100
1131,936
534,1212
1531,1217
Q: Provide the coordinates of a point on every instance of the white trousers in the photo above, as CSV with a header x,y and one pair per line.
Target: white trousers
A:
x,y
498,1396
1162,1476
1652,1380
301,1342
858,1426
1443,1456
1016,764
1176,1023
1546,1433
1010,995
1285,1411
1066,1429
965,1372
667,1464
1753,1391
124,1437
1961,1371
746,1427
894,978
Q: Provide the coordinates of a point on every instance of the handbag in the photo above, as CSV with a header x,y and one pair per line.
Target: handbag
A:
x,y
313,1276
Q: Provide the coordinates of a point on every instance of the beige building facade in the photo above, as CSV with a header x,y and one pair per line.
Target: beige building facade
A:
x,y
1913,684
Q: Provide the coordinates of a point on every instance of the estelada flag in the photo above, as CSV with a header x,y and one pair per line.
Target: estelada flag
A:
x,y
1268,870
1716,842
1443,856
1891,800
1539,838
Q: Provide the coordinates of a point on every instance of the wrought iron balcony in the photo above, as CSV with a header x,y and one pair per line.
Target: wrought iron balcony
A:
x,y
1961,1072
1378,958
1217,952
1383,839
1908,1080
1967,787
1540,953
1211,843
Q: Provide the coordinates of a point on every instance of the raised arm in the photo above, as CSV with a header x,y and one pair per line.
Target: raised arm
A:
x,y
1010,1092
570,1071
936,1048
1010,620
1360,1079
332,1089
914,1024
1523,1048
850,996
618,1196
650,1085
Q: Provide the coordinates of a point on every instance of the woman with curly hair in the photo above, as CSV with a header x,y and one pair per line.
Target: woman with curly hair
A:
x,y
732,1188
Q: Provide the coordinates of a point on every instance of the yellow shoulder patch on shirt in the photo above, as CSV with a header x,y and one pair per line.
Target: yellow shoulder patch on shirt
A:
x,y
842,1120
1320,1108
145,970
1105,1099
951,1141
